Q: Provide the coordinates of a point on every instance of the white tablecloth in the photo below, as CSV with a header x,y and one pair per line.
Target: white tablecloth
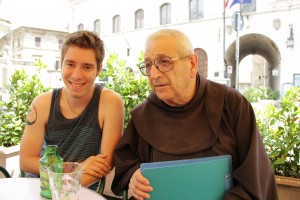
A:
x,y
29,189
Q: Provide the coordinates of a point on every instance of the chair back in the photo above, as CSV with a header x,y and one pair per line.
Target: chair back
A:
x,y
4,173
101,186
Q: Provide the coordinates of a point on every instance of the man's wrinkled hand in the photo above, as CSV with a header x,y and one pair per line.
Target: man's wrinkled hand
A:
x,y
139,186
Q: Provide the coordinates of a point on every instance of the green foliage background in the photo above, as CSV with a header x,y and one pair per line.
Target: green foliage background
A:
x,y
22,90
280,130
133,88
255,94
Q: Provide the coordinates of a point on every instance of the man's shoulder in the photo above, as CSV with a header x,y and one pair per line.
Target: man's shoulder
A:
x,y
44,98
140,106
229,91
108,94
213,84
41,104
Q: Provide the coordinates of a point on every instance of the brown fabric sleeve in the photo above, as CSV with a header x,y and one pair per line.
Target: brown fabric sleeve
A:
x,y
254,176
126,159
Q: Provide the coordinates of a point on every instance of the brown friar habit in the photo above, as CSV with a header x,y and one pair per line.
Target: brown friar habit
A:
x,y
217,121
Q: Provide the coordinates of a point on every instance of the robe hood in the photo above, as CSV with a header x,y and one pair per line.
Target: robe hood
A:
x,y
156,120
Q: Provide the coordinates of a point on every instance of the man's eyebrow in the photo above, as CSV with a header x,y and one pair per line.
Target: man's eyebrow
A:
x,y
89,64
160,55
84,64
69,61
156,56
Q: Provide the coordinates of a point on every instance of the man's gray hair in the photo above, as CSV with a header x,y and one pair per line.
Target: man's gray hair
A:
x,y
183,44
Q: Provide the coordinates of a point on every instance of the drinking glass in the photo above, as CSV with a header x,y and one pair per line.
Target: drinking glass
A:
x,y
65,180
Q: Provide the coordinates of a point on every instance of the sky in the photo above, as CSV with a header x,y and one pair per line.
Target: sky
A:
x,y
41,13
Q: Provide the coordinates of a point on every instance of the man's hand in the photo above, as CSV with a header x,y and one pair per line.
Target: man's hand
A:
x,y
139,186
96,166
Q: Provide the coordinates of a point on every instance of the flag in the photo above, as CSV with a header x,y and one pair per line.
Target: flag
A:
x,y
235,2
226,3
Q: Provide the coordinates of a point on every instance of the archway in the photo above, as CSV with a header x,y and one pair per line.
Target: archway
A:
x,y
257,44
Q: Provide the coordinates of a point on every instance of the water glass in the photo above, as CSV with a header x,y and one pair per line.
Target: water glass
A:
x,y
65,180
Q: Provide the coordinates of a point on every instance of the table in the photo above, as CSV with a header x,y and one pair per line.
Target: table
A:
x,y
29,188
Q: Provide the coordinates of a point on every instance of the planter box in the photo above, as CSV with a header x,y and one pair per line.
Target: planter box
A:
x,y
9,159
288,188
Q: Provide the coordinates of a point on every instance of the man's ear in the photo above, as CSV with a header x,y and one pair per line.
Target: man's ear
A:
x,y
99,70
194,64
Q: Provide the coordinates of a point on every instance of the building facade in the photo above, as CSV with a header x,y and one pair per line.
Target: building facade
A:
x,y
24,42
22,47
266,47
260,48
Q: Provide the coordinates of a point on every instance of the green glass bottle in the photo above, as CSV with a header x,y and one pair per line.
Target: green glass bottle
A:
x,y
50,157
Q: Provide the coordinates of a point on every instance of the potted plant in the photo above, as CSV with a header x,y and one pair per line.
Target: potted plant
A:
x,y
22,90
280,130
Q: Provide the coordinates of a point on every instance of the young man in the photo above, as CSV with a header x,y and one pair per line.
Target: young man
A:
x,y
85,120
187,116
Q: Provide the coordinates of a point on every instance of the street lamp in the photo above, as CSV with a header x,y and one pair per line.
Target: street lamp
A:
x,y
290,39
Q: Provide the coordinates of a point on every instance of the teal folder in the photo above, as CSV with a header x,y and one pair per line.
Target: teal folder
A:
x,y
206,178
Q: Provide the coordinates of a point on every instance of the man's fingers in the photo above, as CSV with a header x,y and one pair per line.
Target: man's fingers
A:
x,y
98,173
139,186
138,192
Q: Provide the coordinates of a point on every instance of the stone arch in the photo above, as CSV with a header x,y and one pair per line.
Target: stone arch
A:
x,y
202,61
256,44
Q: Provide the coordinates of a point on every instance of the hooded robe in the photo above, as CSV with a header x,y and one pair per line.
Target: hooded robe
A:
x,y
217,121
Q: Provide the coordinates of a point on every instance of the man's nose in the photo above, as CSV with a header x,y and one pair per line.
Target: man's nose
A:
x,y
154,71
77,72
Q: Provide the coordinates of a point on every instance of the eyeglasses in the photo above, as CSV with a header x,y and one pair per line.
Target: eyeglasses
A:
x,y
163,64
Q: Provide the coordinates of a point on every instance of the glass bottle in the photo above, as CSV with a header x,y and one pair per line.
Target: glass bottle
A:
x,y
50,157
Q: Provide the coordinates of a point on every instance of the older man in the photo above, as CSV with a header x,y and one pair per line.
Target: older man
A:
x,y
188,116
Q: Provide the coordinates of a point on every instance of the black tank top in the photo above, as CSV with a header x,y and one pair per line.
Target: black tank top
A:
x,y
77,138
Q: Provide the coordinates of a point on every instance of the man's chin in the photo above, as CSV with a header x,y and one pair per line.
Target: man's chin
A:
x,y
163,96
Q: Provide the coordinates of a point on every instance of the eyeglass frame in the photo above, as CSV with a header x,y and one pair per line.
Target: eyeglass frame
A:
x,y
157,67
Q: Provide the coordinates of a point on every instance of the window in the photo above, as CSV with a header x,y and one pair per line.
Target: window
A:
x,y
139,19
248,7
116,23
97,26
165,14
37,42
196,9
80,27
